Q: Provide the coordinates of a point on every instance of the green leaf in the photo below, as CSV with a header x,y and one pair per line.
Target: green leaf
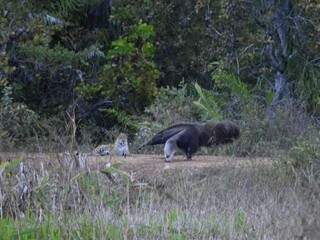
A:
x,y
269,97
207,104
9,167
144,31
113,232
240,221
148,49
121,47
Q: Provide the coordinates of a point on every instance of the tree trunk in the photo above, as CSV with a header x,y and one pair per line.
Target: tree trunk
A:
x,y
277,30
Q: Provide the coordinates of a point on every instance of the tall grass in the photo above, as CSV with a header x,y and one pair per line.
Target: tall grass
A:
x,y
49,197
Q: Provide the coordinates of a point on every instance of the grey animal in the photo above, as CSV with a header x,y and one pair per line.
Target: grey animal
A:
x,y
189,137
121,147
102,150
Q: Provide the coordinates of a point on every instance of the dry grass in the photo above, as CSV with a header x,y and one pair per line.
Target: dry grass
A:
x,y
60,196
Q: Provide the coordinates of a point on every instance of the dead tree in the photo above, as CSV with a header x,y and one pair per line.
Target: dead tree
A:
x,y
274,17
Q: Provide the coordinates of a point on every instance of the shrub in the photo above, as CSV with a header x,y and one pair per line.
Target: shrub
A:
x,y
207,104
129,76
304,157
171,106
260,136
17,122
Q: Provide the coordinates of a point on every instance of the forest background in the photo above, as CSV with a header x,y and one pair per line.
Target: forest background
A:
x,y
90,69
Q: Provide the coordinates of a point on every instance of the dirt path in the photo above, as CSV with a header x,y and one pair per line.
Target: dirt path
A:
x,y
144,165
154,165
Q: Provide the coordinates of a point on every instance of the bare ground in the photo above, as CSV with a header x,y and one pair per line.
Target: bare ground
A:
x,y
146,165
154,165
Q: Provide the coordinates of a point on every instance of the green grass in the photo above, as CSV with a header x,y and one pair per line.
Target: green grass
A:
x,y
60,201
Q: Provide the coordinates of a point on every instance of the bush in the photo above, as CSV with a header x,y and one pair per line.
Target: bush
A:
x,y
304,158
18,123
171,106
260,136
129,76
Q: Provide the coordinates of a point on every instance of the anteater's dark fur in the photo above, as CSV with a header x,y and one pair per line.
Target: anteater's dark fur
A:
x,y
195,135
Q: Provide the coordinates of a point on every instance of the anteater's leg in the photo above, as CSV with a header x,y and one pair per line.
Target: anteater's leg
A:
x,y
188,154
169,150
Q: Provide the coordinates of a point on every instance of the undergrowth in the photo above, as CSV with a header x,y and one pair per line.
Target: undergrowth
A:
x,y
60,197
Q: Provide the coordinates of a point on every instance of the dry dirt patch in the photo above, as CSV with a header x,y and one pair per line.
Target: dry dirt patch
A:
x,y
144,165
155,164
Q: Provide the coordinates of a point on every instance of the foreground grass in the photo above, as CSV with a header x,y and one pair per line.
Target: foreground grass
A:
x,y
58,200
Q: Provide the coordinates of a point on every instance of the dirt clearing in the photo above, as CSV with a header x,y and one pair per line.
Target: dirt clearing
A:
x,y
154,165
142,164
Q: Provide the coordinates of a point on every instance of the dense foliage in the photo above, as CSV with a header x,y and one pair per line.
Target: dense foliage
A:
x,y
107,61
